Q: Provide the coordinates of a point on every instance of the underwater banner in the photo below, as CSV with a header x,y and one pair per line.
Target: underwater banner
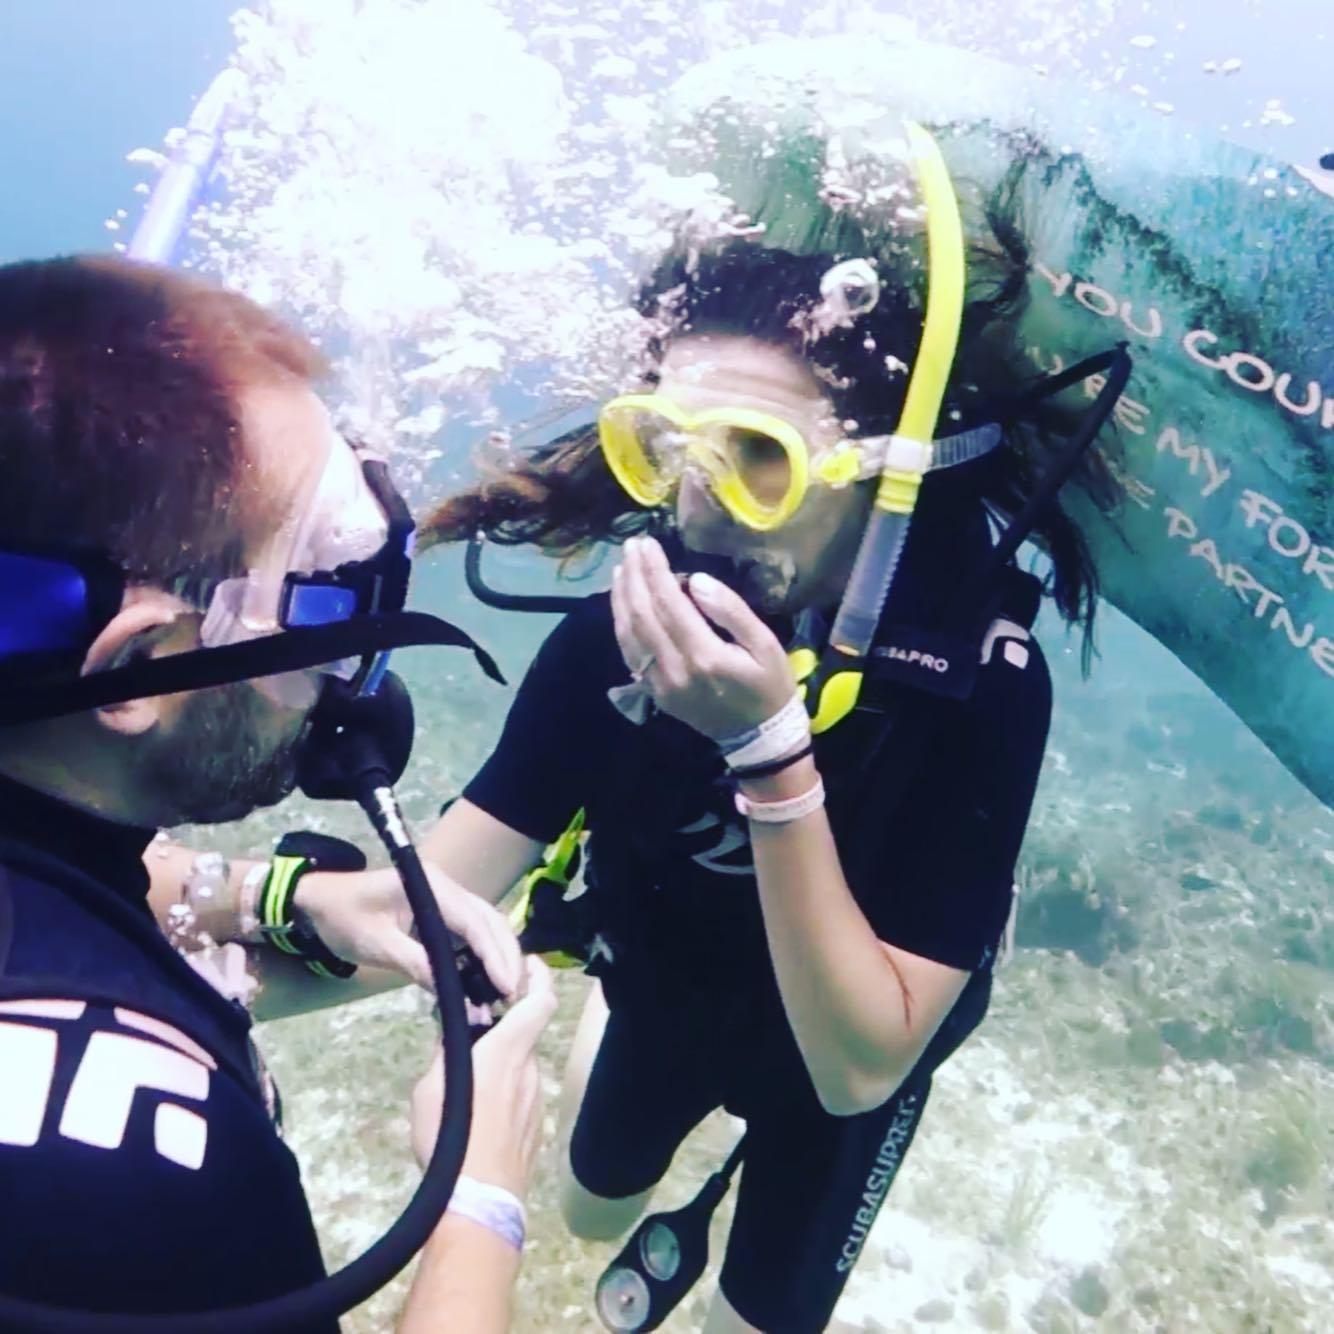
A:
x,y
1205,257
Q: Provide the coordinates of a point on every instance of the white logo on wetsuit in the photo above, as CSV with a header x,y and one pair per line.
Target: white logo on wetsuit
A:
x,y
112,1070
731,838
878,1182
915,656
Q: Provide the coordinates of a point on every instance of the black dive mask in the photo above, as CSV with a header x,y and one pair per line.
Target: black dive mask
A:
x,y
54,601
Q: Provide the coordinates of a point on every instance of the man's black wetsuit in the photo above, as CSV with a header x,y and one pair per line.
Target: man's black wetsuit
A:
x,y
696,1018
140,1168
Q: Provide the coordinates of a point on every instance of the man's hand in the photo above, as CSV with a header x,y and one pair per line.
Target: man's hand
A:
x,y
364,917
719,688
507,1093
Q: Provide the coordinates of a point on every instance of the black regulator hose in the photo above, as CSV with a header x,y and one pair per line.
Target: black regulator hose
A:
x,y
488,594
348,759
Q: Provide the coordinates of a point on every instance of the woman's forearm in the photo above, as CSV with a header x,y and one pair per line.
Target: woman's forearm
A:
x,y
862,1012
478,852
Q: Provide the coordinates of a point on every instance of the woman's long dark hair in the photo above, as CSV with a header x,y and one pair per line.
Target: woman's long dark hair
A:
x,y
563,498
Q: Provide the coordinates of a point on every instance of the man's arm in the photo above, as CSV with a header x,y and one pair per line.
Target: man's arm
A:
x,y
286,987
362,916
465,1280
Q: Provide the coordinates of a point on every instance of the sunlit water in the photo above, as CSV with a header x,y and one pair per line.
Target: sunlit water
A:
x,y
455,199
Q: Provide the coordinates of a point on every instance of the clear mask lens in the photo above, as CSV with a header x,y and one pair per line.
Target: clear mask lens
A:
x,y
760,462
341,521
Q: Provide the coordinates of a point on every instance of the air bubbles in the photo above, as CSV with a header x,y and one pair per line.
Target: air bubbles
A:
x,y
849,289
1274,114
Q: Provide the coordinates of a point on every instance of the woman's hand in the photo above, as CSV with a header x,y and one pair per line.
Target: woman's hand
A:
x,y
507,1092
364,917
719,688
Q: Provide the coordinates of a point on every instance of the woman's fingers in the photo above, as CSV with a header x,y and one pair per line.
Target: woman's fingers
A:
x,y
486,930
631,649
677,614
523,1022
502,958
726,608
639,631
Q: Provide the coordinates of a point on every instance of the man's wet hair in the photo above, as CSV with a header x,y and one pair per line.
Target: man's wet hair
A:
x,y
120,430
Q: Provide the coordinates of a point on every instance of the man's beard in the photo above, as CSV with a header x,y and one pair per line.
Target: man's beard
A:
x,y
229,751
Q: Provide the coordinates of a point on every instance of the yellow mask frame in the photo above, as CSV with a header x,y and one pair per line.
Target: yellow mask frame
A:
x,y
651,485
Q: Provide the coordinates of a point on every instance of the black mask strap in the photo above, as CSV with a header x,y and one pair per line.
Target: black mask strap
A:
x,y
288,651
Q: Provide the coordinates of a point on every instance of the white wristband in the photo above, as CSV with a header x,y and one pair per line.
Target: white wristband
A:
x,y
495,1208
774,739
782,812
247,906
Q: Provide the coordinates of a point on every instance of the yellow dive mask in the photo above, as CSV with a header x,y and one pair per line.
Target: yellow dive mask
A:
x,y
758,464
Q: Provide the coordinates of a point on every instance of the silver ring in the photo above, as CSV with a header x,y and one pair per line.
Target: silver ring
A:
x,y
637,674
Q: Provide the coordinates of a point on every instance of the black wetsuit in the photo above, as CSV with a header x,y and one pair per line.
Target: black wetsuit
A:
x,y
140,1166
696,1018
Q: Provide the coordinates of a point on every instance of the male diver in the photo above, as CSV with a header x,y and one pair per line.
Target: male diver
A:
x,y
170,484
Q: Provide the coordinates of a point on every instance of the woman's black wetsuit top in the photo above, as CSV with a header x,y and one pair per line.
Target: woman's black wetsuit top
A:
x,y
697,1021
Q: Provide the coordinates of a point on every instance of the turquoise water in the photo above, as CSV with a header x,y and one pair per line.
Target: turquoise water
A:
x,y
82,83
1139,1138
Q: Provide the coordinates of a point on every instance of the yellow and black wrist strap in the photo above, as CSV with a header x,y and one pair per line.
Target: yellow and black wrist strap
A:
x,y
284,926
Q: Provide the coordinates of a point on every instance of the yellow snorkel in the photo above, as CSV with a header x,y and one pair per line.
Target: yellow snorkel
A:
x,y
838,681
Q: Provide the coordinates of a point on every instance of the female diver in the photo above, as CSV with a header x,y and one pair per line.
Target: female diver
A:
x,y
805,798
